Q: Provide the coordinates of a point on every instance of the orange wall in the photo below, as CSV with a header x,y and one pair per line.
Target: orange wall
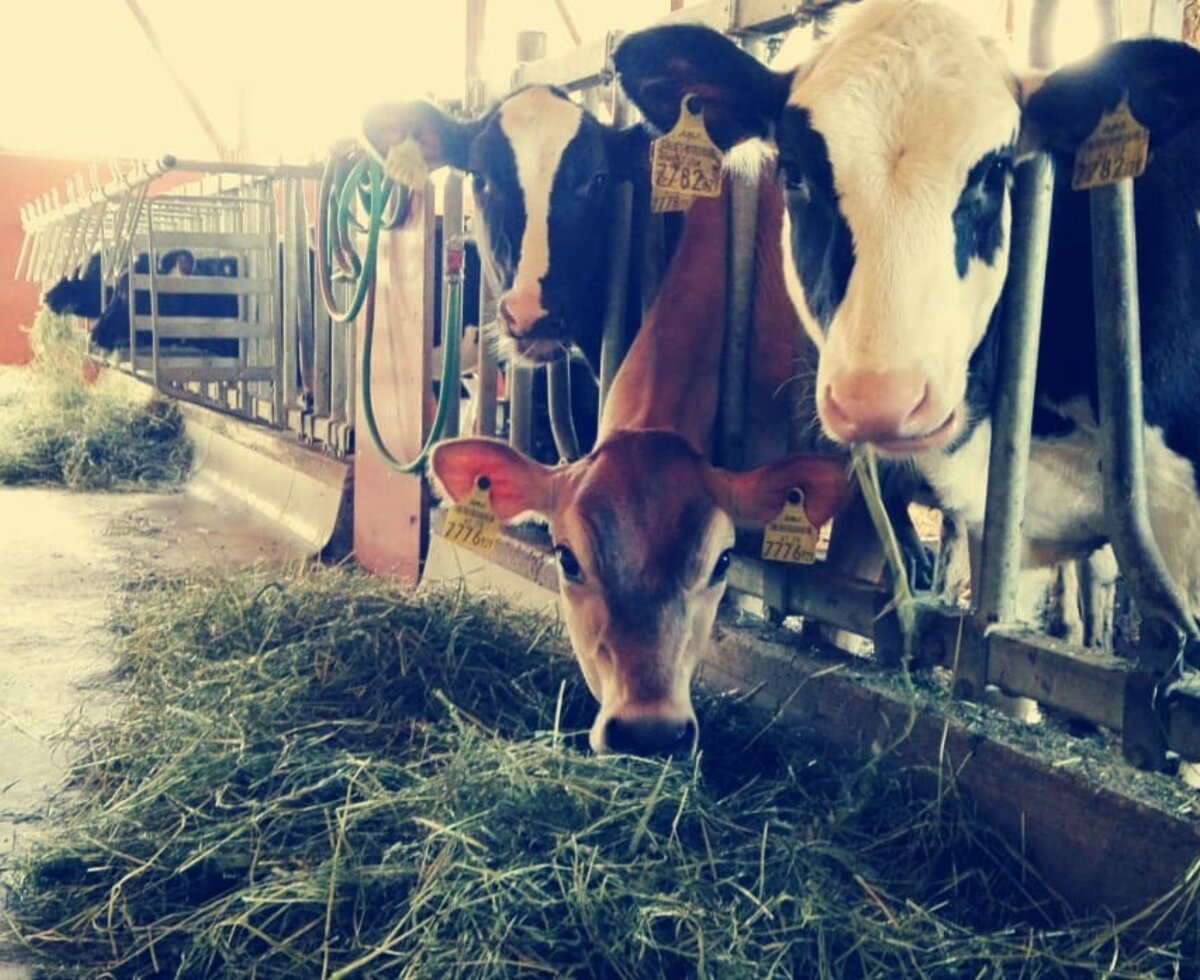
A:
x,y
22,178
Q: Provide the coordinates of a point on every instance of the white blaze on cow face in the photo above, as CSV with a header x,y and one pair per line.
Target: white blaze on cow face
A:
x,y
895,148
539,125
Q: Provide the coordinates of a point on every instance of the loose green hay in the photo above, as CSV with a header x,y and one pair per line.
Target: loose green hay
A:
x,y
59,429
322,775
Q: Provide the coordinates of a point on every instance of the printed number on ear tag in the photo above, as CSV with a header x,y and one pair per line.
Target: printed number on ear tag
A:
x,y
791,537
685,163
1118,147
471,522
405,165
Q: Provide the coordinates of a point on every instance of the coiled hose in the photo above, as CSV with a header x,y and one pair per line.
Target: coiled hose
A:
x,y
351,173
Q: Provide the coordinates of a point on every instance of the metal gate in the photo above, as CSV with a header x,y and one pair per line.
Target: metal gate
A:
x,y
272,355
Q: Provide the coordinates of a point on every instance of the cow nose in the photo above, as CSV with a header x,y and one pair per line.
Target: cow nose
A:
x,y
867,405
520,311
651,736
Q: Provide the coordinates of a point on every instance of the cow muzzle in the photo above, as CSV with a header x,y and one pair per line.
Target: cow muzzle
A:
x,y
896,411
651,735
537,336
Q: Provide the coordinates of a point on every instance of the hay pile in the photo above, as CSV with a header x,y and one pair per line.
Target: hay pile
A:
x,y
325,776
56,428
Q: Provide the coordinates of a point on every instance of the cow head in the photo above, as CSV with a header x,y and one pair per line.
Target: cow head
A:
x,y
642,531
896,143
78,293
543,171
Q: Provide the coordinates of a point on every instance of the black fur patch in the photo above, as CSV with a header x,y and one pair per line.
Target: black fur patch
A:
x,y
978,229
822,245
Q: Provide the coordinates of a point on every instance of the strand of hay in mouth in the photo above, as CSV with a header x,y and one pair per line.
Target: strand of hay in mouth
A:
x,y
321,775
58,429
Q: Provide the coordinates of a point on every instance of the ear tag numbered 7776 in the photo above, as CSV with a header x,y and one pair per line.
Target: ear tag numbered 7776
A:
x,y
471,522
405,165
685,163
1117,148
791,537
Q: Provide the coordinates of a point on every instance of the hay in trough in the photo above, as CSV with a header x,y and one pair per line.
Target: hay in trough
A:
x,y
322,775
57,428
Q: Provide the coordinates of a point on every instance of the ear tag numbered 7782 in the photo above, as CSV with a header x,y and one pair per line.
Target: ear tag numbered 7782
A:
x,y
685,163
405,165
791,537
1117,148
471,522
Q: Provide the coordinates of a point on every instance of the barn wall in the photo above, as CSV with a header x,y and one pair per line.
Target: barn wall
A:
x,y
22,178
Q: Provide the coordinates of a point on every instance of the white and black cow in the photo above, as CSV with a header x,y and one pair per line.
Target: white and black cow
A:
x,y
896,144
80,294
543,174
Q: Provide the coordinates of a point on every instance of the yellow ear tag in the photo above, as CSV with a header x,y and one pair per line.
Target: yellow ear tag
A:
x,y
1118,148
405,165
471,522
685,163
791,537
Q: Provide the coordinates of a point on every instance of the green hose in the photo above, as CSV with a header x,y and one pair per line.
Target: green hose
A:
x,y
348,175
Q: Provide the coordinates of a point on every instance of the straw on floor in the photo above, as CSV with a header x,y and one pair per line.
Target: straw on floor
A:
x,y
57,428
321,775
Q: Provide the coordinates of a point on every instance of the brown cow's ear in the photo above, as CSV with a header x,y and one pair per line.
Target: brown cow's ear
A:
x,y
517,484
442,141
756,497
742,98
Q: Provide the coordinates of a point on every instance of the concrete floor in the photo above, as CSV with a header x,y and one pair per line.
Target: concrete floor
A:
x,y
63,557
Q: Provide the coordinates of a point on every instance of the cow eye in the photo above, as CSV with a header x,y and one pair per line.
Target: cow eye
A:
x,y
995,178
796,184
721,568
480,183
568,564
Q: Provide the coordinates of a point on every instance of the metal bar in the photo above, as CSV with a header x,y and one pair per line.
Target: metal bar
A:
x,y
302,288
614,342
171,369
200,328
520,405
310,171
224,285
485,410
291,358
452,238
739,316
1118,348
324,365
562,419
207,240
1012,415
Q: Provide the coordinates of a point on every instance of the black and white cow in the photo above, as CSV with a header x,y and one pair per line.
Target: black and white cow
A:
x,y
543,170
896,143
80,294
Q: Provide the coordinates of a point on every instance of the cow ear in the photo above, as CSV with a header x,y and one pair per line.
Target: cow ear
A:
x,y
441,140
756,497
742,97
1160,78
518,485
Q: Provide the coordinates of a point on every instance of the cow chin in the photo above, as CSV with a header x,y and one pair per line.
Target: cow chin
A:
x,y
938,438
537,350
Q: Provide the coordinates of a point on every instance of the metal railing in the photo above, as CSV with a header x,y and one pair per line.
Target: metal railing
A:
x,y
277,359
1143,698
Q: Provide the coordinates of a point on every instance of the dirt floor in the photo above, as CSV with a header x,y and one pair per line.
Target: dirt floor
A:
x,y
65,557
